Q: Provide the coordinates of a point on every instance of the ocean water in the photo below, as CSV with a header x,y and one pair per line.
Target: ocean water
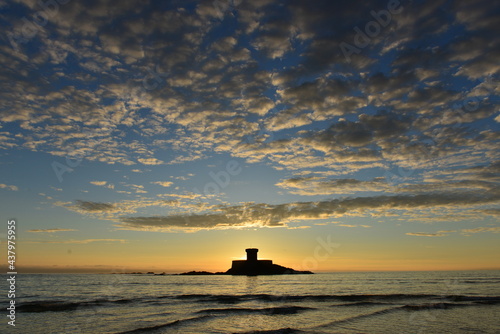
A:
x,y
390,302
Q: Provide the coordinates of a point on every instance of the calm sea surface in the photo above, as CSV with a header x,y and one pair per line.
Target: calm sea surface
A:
x,y
395,302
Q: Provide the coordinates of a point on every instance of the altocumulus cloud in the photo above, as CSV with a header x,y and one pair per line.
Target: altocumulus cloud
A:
x,y
133,83
52,230
103,84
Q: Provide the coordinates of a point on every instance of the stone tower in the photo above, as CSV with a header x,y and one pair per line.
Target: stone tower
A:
x,y
252,254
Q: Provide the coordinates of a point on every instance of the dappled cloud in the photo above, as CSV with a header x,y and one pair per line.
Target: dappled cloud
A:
x,y
399,120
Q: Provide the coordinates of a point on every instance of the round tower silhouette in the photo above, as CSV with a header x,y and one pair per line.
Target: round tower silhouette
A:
x,y
251,254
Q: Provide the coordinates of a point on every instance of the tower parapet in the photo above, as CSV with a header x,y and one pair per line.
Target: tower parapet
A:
x,y
252,254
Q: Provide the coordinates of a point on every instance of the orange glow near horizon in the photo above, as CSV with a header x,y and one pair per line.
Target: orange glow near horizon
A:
x,y
63,258
214,251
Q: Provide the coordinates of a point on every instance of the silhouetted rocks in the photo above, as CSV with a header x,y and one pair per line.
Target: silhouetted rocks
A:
x,y
253,267
263,268
197,273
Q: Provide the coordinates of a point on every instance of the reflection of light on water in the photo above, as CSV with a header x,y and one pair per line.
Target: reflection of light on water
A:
x,y
121,303
251,284
244,323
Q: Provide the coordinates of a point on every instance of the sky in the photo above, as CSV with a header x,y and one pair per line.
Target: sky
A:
x,y
171,135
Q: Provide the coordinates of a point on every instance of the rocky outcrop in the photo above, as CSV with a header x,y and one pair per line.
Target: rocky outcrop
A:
x,y
253,267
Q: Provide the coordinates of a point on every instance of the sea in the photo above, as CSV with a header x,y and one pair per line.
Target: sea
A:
x,y
368,302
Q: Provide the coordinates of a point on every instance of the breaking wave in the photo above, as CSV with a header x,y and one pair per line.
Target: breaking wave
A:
x,y
265,311
167,325
349,300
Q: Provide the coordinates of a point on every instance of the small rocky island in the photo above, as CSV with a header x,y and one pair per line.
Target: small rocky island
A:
x,y
252,267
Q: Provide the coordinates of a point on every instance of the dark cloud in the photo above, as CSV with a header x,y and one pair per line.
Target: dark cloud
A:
x,y
314,185
492,212
93,206
479,16
367,130
350,134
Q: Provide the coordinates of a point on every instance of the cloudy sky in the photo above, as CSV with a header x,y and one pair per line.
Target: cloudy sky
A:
x,y
332,135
